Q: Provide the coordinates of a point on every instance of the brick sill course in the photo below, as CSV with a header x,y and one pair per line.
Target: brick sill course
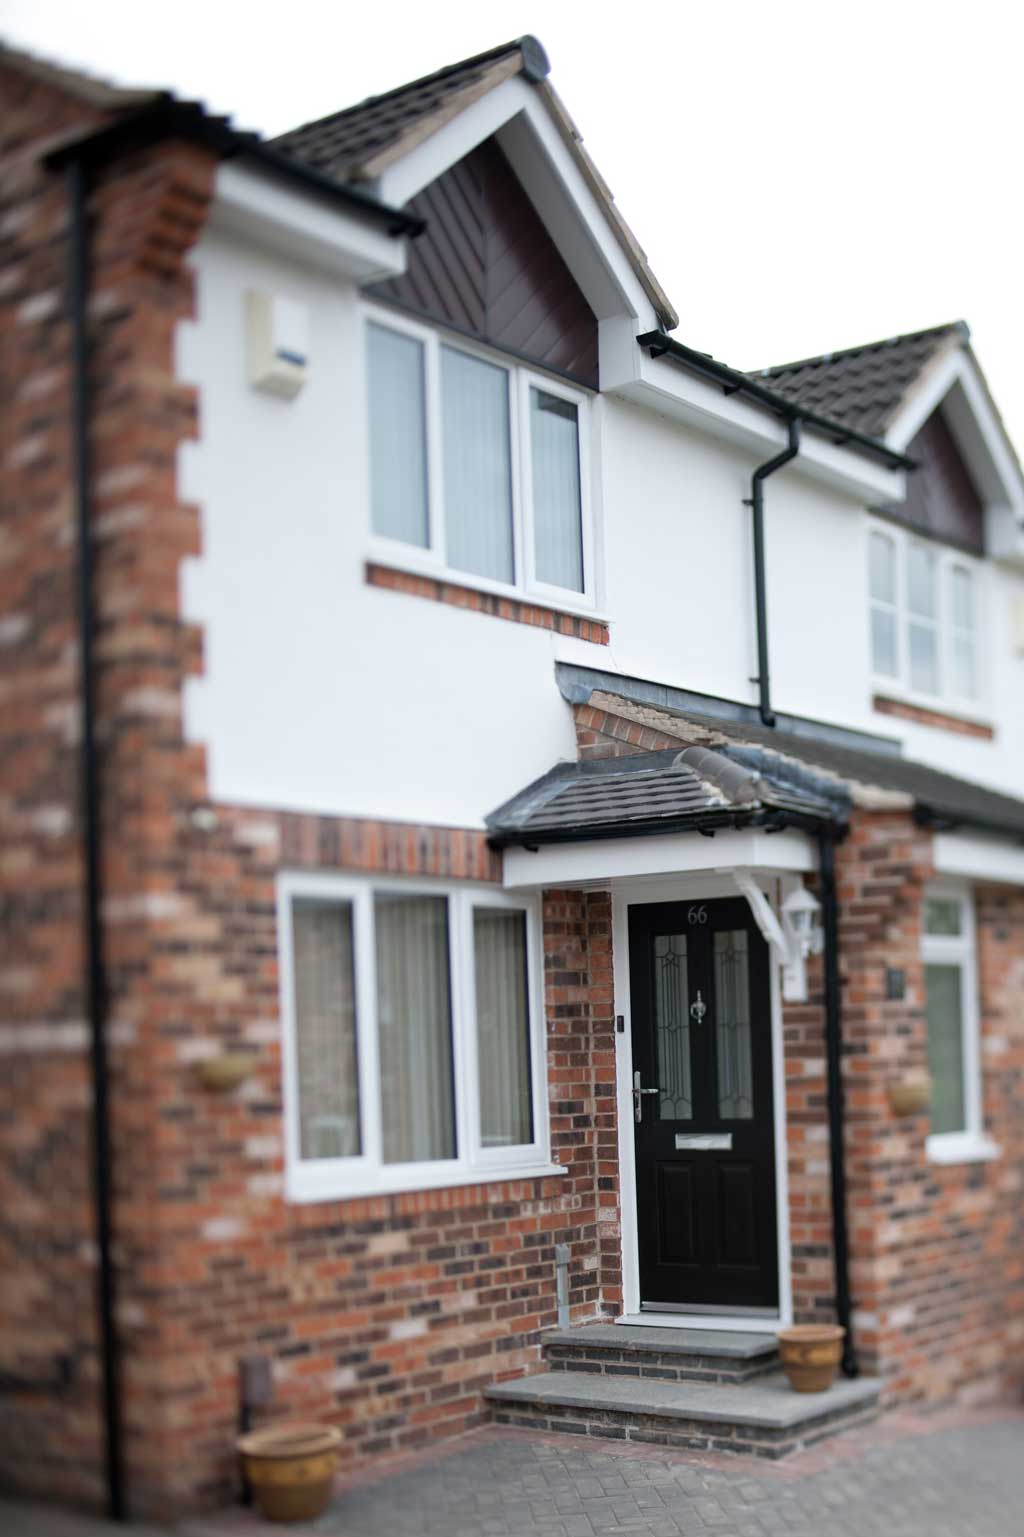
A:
x,y
518,610
937,718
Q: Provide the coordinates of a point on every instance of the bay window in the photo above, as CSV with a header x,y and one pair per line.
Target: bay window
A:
x,y
923,618
951,1012
478,466
412,1033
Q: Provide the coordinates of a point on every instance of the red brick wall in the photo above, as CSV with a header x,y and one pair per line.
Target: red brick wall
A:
x,y
387,1316
46,1228
938,1253
937,1260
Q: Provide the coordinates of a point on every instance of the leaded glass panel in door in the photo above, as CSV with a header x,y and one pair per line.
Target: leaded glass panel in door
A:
x,y
672,1028
732,1026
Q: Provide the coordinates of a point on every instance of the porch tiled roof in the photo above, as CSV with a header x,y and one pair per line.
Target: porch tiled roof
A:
x,y
730,772
863,387
652,792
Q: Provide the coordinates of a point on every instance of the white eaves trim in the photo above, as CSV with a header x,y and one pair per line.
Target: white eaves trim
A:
x,y
611,859
664,386
302,227
978,858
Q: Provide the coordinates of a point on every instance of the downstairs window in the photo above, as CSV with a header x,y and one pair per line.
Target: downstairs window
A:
x,y
413,1035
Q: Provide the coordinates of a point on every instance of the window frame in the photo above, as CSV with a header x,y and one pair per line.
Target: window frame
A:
x,y
432,561
971,1144
947,561
365,1173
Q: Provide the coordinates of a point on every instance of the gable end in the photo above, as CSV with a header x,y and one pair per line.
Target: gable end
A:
x,y
942,499
487,266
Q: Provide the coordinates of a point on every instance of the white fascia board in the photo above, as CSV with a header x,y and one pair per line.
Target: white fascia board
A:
x,y
303,226
978,858
553,182
614,859
672,390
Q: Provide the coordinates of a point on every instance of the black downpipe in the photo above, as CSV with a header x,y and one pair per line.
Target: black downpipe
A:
x,y
836,1117
96,982
756,502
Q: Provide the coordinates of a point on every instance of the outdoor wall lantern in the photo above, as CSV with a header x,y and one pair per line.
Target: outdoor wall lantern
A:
x,y
800,917
793,933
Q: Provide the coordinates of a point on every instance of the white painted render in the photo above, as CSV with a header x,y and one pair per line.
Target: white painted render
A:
x,y
321,693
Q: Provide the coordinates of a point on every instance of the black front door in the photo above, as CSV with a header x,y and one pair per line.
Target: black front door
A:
x,y
703,1114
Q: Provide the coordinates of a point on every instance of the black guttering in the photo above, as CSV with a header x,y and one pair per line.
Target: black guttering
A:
x,y
836,1101
165,118
756,503
90,814
770,819
659,344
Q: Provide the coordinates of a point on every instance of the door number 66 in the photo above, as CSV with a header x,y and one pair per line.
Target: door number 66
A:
x,y
697,914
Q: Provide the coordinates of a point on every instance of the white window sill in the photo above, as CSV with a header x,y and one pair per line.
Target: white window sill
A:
x,y
303,1190
406,558
962,1147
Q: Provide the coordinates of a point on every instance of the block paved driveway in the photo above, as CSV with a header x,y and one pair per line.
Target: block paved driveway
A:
x,y
962,1479
904,1477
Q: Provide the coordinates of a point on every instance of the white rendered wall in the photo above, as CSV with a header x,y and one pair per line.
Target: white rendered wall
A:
x,y
321,693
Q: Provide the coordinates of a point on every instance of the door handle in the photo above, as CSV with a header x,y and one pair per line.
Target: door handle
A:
x,y
638,1104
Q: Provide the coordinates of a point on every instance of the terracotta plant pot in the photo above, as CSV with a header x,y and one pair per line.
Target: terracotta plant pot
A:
x,y
809,1355
291,1469
911,1094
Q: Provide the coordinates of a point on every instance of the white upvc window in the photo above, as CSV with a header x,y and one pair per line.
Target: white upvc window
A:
x,y
949,954
924,619
413,1035
479,467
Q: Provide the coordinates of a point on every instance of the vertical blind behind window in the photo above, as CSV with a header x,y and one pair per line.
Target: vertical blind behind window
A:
x,y
414,1027
557,508
325,1027
503,1027
398,436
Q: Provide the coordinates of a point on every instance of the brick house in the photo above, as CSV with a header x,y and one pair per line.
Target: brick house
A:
x,y
512,828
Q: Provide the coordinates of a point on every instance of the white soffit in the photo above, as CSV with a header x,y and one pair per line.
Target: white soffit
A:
x,y
672,390
978,858
613,859
261,209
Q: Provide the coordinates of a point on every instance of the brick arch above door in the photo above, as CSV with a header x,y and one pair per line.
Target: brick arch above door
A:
x,y
486,265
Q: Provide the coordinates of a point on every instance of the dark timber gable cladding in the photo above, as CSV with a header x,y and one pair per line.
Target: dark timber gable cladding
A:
x,y
941,498
487,266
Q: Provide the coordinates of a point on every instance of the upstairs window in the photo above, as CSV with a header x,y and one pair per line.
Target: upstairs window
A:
x,y
923,610
478,467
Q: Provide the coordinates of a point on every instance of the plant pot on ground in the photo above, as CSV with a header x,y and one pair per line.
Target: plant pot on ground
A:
x,y
291,1469
809,1355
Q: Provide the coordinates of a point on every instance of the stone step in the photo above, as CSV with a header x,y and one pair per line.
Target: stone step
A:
x,y
636,1350
763,1416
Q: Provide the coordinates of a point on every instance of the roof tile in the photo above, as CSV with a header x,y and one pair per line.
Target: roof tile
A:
x,y
863,387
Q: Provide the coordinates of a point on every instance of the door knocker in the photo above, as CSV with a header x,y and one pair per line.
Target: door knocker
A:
x,y
698,1008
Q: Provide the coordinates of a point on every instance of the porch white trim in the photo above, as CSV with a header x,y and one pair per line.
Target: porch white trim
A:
x,y
687,886
604,861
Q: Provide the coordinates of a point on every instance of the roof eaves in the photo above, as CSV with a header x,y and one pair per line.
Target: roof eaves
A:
x,y
733,382
92,89
166,117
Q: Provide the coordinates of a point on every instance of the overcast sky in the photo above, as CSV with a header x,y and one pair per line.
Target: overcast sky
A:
x,y
803,177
